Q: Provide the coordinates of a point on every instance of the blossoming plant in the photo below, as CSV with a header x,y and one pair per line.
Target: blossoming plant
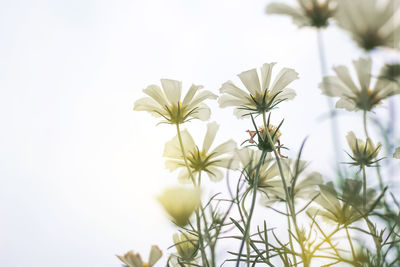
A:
x,y
348,220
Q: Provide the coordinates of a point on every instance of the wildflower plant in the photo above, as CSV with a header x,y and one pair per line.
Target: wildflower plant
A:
x,y
324,219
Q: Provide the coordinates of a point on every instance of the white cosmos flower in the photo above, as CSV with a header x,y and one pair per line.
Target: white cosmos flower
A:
x,y
261,96
209,161
363,152
357,95
250,159
180,203
134,260
314,13
346,208
371,23
300,183
168,103
396,153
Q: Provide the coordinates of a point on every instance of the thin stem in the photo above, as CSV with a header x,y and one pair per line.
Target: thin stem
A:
x,y
289,200
351,243
253,204
332,112
365,124
200,235
184,155
364,187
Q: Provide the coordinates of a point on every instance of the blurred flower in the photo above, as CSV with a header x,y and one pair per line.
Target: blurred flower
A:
x,y
314,13
250,159
357,96
168,104
391,73
300,184
262,97
206,160
134,260
396,153
186,245
364,152
346,209
180,203
370,23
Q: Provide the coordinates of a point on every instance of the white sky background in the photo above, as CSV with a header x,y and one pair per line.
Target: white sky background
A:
x,y
78,168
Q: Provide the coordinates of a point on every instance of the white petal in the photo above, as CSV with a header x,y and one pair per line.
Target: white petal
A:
x,y
230,88
172,148
346,104
184,177
283,79
240,113
266,72
343,74
155,255
148,104
228,146
333,86
201,97
174,164
287,94
229,163
283,9
190,94
229,101
363,68
251,81
351,140
202,113
155,92
172,90
216,174
212,129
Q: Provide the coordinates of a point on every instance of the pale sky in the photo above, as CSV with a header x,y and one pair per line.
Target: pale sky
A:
x,y
79,170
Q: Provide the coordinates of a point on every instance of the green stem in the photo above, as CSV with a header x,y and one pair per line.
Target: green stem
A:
x,y
200,235
364,188
289,200
184,155
369,223
351,243
253,204
334,122
365,124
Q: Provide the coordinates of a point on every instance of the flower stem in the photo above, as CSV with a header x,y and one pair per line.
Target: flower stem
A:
x,y
184,155
289,199
332,112
253,204
364,188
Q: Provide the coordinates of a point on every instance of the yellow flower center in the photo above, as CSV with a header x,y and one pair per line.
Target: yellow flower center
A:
x,y
145,264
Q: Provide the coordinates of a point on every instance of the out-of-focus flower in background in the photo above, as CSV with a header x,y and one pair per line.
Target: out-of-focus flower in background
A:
x,y
263,96
134,260
180,203
364,153
353,95
300,183
186,245
168,104
314,13
200,160
345,209
370,23
268,171
396,153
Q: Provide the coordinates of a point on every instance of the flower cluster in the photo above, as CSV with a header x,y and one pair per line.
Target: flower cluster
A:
x,y
284,185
